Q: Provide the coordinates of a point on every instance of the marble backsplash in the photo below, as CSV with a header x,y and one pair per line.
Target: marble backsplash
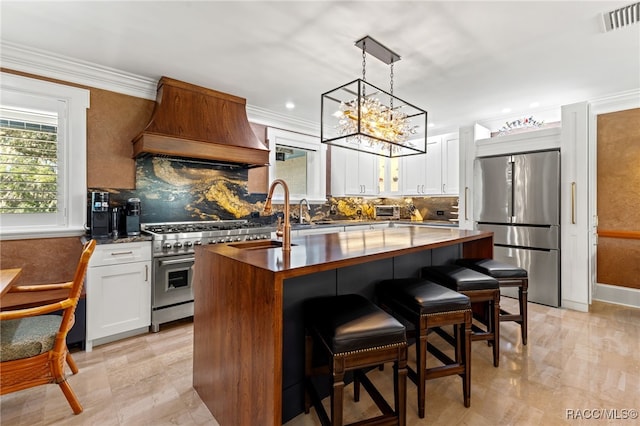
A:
x,y
172,191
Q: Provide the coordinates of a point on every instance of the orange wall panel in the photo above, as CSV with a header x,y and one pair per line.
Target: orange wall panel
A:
x,y
43,261
618,197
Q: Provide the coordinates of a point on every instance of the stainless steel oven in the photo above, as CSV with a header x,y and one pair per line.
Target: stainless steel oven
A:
x,y
172,295
173,260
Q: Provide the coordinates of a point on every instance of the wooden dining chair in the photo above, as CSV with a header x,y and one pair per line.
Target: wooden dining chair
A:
x,y
33,347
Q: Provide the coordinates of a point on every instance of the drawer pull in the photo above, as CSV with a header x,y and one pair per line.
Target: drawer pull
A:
x,y
121,253
177,261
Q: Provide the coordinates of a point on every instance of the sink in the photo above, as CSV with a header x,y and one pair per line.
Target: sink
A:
x,y
255,245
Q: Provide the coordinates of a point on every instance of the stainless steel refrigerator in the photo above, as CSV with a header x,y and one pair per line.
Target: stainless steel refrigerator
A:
x,y
518,198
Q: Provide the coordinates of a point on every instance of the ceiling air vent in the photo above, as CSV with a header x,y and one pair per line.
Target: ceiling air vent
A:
x,y
621,17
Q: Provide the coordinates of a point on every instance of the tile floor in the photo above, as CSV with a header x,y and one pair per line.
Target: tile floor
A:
x,y
573,361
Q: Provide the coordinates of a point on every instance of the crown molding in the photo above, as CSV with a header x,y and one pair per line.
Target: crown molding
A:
x,y
616,102
269,118
46,64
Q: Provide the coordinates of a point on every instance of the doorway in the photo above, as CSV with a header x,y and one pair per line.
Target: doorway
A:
x,y
618,198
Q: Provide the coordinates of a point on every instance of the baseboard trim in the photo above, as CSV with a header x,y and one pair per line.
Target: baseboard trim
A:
x,y
618,295
576,306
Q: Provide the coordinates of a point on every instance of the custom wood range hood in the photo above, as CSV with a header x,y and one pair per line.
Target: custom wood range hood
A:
x,y
192,122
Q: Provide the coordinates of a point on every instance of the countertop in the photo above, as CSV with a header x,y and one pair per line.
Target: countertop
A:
x,y
326,251
390,223
121,240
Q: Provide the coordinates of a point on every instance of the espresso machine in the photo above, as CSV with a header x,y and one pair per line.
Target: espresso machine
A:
x,y
98,214
132,217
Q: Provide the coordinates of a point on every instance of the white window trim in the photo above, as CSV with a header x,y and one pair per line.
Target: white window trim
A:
x,y
316,164
74,152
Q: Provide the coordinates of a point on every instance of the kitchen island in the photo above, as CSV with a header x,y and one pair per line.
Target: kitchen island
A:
x,y
248,361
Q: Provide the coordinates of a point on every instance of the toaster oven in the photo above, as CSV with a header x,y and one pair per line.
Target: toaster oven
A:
x,y
387,212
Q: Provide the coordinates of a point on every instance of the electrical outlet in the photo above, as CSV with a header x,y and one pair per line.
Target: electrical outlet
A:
x,y
440,212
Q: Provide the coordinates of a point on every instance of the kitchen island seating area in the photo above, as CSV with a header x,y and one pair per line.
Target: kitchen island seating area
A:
x,y
508,276
354,334
265,364
484,294
429,306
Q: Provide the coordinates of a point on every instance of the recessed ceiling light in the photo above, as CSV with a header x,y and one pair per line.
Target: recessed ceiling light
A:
x,y
431,125
506,110
534,104
290,105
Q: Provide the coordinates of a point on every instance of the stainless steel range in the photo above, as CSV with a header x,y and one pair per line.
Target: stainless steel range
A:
x,y
172,271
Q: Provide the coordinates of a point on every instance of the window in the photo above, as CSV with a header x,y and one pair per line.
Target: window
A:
x,y
301,161
28,163
42,158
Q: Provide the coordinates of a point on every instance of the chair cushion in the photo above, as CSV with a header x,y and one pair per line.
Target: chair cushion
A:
x,y
493,268
422,296
459,278
351,322
27,337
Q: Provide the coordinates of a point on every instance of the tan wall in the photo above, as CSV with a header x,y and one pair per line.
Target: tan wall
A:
x,y
113,120
43,261
618,199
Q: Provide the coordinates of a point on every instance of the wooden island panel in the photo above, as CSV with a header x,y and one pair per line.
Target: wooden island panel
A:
x,y
248,329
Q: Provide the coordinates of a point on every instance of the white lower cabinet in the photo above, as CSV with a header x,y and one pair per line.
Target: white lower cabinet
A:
x,y
118,289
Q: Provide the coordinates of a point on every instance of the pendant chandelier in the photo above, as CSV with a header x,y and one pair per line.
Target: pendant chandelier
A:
x,y
363,117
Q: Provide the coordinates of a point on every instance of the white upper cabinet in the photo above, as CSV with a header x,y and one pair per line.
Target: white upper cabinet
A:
x,y
433,173
389,176
353,173
433,166
450,164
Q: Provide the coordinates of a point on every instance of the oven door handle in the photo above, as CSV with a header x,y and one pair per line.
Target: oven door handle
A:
x,y
176,261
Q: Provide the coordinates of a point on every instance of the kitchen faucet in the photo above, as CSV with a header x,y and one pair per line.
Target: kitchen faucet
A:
x,y
301,219
286,232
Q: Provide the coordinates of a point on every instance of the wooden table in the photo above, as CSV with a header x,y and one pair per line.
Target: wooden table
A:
x,y
8,277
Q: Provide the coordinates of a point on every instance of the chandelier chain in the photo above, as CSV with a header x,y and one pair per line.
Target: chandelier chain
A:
x,y
391,87
364,61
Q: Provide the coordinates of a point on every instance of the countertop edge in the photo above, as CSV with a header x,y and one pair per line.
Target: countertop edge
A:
x,y
279,262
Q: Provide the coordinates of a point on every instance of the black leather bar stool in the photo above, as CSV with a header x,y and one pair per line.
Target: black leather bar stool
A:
x,y
508,276
483,291
429,306
355,334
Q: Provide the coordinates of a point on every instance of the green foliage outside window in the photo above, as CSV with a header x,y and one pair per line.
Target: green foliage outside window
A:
x,y
28,167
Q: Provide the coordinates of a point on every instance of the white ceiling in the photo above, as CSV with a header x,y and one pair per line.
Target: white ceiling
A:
x,y
461,61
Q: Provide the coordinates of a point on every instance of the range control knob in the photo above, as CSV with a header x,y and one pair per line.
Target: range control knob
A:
x,y
197,243
221,240
238,239
188,244
177,244
166,246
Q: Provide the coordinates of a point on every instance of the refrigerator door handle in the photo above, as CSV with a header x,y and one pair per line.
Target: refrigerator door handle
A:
x,y
573,203
510,171
466,202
